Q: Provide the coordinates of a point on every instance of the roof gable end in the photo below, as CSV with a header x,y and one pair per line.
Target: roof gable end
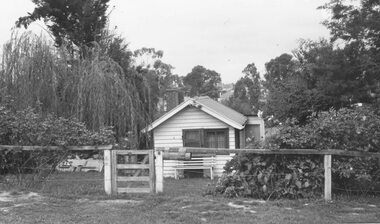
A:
x,y
209,106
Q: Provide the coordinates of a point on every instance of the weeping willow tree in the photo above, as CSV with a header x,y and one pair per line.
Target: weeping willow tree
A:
x,y
29,72
93,89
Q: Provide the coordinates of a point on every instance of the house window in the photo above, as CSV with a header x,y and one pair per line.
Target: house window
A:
x,y
192,138
208,138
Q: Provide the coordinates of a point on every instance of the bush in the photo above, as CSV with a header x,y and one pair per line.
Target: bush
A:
x,y
274,176
356,175
355,129
28,128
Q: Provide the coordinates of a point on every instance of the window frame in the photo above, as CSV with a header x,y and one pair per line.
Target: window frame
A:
x,y
203,133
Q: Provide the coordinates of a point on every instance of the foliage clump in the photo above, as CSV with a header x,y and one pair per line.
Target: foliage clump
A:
x,y
77,22
290,176
203,81
352,129
272,177
29,128
247,92
95,90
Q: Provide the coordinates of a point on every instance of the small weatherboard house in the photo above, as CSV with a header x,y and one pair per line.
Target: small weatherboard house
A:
x,y
204,122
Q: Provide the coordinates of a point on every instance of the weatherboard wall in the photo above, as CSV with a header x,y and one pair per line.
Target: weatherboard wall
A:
x,y
169,134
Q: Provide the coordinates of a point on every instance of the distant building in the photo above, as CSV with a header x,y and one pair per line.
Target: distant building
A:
x,y
226,92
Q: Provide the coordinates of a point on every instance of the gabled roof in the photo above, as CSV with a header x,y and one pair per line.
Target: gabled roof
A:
x,y
209,106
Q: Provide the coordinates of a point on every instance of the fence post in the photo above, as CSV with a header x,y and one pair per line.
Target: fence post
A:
x,y
107,172
152,172
159,171
114,172
327,166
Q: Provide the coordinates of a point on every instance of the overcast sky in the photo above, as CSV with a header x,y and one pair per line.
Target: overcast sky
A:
x,y
222,35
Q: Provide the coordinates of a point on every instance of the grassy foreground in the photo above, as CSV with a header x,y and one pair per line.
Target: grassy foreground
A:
x,y
79,198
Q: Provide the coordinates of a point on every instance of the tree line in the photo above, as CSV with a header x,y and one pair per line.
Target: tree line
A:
x,y
339,72
90,73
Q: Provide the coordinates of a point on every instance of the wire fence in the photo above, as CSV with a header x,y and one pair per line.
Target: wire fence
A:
x,y
347,190
85,178
49,174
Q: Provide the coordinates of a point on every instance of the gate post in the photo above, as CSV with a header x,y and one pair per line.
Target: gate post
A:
x,y
327,166
159,170
107,172
152,172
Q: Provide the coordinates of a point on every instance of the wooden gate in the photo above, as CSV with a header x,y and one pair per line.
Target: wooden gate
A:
x,y
132,171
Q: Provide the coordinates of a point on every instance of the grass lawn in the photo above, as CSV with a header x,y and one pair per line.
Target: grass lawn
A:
x,y
79,198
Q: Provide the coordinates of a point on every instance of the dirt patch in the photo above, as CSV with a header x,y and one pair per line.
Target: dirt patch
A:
x,y
13,199
119,202
13,196
243,207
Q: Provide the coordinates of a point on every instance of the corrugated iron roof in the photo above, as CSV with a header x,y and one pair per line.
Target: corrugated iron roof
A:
x,y
222,110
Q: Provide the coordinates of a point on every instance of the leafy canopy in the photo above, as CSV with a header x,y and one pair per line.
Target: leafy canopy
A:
x,y
356,24
333,73
318,77
202,81
247,92
78,22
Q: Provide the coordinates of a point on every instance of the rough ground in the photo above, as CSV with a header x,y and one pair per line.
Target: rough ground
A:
x,y
182,202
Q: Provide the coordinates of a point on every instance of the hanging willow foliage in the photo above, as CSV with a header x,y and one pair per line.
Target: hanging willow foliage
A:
x,y
93,89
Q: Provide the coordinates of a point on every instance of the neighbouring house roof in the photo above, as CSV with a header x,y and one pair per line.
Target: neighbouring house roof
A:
x,y
209,106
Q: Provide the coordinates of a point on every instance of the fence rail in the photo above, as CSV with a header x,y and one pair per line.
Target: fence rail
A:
x,y
160,152
220,151
111,166
70,148
156,166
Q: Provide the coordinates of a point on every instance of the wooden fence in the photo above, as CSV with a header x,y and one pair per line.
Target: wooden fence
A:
x,y
153,174
106,148
140,172
135,170
327,154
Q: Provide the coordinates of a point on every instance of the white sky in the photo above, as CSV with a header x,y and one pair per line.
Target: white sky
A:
x,y
223,35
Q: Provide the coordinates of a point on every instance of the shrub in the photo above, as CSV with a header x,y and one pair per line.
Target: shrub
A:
x,y
356,175
28,128
274,176
355,129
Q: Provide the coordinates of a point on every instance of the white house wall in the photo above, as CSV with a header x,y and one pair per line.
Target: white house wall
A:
x,y
169,134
